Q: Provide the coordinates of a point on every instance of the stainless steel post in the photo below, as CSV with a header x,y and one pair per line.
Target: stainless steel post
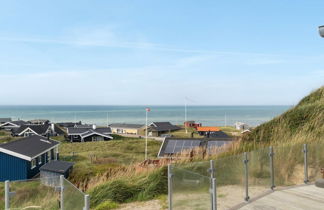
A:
x,y
7,195
86,202
62,192
214,194
211,170
246,177
271,154
170,176
305,150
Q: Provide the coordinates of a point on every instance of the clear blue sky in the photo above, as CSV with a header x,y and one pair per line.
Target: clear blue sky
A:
x,y
159,52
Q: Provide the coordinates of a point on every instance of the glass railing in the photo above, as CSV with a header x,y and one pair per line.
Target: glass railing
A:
x,y
2,196
229,178
48,193
33,194
190,190
246,176
73,197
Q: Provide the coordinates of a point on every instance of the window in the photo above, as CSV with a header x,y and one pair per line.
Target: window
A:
x,y
49,156
40,159
33,163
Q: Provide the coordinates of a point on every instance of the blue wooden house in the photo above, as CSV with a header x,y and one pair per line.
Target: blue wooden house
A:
x,y
22,159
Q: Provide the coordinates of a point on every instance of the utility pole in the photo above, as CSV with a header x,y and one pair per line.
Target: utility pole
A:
x,y
107,120
186,115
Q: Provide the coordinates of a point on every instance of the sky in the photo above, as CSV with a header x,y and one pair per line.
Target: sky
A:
x,y
161,52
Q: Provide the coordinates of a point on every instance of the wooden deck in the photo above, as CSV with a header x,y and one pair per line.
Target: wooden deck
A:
x,y
304,197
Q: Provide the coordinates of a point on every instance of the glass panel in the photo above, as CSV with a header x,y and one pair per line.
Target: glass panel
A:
x,y
190,190
34,194
2,195
315,160
229,178
259,172
288,165
73,197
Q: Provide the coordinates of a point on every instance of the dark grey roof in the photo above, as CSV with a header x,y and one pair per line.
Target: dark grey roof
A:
x,y
38,121
78,131
3,120
83,126
171,146
30,146
105,130
163,126
218,134
94,132
39,129
19,122
74,131
57,166
68,124
126,125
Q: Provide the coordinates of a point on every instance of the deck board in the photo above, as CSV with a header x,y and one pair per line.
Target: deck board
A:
x,y
299,198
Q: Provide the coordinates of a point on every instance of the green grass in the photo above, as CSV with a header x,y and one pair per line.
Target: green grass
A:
x,y
302,123
95,158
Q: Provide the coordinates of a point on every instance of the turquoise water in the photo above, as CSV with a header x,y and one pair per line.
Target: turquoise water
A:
x,y
207,115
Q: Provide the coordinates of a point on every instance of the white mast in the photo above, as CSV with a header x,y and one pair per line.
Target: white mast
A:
x,y
107,120
186,114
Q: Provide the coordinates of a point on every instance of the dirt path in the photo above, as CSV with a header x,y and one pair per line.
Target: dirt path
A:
x,y
147,205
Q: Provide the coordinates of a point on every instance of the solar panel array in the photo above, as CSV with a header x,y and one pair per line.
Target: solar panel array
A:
x,y
176,146
173,146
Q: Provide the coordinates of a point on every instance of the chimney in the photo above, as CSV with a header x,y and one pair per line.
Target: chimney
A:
x,y
94,126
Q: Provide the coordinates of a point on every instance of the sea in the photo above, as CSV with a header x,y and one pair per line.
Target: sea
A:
x,y
103,115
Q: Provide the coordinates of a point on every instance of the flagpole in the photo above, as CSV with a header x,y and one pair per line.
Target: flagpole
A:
x,y
146,134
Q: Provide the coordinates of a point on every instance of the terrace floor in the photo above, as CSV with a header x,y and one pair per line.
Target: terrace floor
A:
x,y
296,198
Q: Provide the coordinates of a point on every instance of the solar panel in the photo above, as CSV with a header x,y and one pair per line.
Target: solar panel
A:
x,y
176,146
170,146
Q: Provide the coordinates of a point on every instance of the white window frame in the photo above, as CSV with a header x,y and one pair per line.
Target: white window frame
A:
x,y
33,163
49,156
40,159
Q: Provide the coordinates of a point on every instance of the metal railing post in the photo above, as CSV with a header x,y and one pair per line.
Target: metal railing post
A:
x,y
7,195
211,170
271,154
246,178
170,177
214,194
305,150
62,192
86,202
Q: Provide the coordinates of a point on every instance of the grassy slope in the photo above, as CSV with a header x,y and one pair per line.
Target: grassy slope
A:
x,y
304,122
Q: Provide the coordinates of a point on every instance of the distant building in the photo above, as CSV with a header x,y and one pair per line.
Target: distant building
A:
x,y
69,124
4,120
50,172
22,159
192,124
38,129
241,126
12,124
159,128
204,130
123,128
89,134
38,122
246,131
